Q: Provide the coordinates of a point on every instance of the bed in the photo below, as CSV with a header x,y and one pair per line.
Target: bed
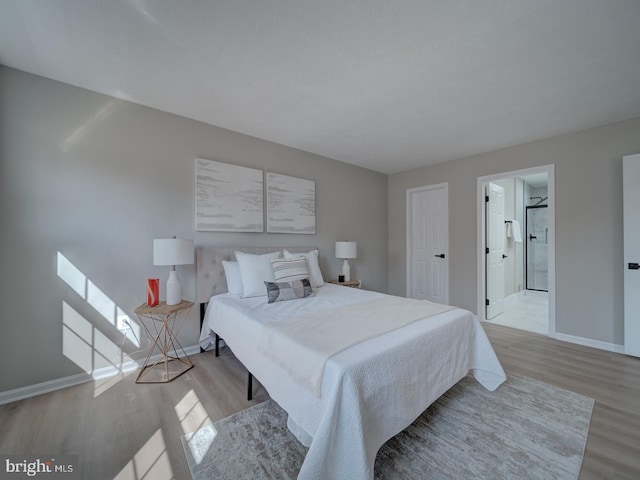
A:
x,y
365,393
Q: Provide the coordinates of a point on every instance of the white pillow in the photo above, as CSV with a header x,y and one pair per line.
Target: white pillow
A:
x,y
254,271
289,269
234,280
315,275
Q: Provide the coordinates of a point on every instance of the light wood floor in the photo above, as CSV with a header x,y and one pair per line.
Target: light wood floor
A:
x,y
122,430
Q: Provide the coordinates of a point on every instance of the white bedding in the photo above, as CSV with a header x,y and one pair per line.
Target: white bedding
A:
x,y
370,391
302,345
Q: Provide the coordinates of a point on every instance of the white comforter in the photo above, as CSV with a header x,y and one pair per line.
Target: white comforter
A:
x,y
370,391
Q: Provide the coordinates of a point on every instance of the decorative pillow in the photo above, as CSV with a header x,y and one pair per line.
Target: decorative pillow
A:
x,y
254,271
232,273
289,269
315,274
279,292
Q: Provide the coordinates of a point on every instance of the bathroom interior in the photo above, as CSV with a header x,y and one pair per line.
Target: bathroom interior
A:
x,y
526,249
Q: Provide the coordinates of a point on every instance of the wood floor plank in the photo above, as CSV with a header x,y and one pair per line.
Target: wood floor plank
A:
x,y
611,379
123,430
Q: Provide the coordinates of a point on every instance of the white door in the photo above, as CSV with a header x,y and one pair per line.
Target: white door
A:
x,y
631,215
428,243
495,249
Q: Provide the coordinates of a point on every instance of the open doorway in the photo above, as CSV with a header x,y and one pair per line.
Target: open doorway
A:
x,y
516,255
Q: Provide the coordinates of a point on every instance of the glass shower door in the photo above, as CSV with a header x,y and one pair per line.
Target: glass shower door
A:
x,y
537,240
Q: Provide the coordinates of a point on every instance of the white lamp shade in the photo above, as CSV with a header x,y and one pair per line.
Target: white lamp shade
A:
x,y
346,250
172,251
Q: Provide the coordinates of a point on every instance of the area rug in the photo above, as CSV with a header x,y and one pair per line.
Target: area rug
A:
x,y
524,430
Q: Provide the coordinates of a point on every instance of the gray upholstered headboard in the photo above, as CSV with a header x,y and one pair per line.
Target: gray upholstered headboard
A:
x,y
210,277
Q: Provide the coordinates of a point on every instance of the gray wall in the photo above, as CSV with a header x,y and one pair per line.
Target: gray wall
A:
x,y
95,179
589,261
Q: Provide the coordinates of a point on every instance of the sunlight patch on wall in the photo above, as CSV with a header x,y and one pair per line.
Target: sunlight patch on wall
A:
x,y
88,347
196,425
107,353
131,330
77,338
83,343
73,277
68,143
151,462
100,301
102,304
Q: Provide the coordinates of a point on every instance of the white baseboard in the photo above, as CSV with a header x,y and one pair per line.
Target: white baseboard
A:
x,y
588,342
64,382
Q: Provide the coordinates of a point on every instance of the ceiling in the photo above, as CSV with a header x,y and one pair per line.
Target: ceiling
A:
x,y
386,85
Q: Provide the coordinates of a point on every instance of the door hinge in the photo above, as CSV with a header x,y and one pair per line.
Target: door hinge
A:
x,y
486,250
486,198
486,302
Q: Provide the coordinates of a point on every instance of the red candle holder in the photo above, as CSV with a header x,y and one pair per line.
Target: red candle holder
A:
x,y
153,292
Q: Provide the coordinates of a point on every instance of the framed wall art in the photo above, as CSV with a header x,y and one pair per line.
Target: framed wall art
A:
x,y
229,198
291,204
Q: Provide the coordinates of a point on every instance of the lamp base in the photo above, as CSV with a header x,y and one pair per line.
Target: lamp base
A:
x,y
346,270
174,289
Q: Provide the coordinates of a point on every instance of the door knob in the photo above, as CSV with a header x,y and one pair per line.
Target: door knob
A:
x,y
504,256
441,255
532,237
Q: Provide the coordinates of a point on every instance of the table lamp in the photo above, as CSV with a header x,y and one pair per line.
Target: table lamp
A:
x,y
346,250
173,251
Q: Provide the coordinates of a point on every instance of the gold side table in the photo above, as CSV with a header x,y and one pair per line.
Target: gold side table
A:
x,y
162,326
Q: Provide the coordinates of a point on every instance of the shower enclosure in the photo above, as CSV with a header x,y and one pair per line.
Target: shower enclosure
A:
x,y
537,242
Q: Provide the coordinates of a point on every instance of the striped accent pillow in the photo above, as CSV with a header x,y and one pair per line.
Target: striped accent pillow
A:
x,y
289,269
